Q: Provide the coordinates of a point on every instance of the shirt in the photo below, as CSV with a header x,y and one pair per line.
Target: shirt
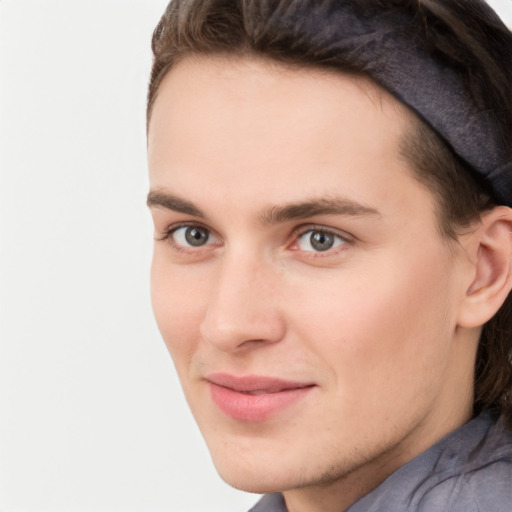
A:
x,y
469,470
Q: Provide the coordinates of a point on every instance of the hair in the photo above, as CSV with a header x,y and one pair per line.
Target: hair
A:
x,y
464,35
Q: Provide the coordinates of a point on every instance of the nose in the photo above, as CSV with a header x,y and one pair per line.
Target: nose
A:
x,y
244,309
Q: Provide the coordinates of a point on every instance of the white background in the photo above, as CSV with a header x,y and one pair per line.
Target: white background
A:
x,y
91,414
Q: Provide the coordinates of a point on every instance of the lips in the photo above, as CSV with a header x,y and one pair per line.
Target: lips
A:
x,y
254,398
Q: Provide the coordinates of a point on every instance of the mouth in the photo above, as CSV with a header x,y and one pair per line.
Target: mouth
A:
x,y
254,398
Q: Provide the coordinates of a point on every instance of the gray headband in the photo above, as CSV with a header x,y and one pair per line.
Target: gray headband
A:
x,y
385,50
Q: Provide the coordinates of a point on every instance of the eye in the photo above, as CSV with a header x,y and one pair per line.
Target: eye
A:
x,y
192,236
317,240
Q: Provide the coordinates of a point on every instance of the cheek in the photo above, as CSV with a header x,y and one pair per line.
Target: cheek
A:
x,y
178,302
380,325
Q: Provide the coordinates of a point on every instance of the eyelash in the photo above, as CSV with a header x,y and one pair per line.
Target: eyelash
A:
x,y
296,237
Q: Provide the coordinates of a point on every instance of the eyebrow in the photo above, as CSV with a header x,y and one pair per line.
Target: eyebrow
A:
x,y
276,214
172,202
310,208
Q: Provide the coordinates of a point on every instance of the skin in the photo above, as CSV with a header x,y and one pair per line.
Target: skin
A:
x,y
373,323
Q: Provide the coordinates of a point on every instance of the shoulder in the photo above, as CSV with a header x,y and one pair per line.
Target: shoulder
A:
x,y
482,483
485,489
470,470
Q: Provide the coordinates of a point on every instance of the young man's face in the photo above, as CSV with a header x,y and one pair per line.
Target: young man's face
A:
x,y
299,278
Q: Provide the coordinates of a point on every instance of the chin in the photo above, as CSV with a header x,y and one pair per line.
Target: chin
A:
x,y
268,472
254,485
257,482
255,474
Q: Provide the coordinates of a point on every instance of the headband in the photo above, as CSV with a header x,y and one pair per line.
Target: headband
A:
x,y
387,51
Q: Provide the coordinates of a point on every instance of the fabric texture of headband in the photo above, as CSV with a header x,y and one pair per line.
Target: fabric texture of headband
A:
x,y
383,46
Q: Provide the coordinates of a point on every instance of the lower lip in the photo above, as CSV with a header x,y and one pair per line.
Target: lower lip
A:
x,y
255,408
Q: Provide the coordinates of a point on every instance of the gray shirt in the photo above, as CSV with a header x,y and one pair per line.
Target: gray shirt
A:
x,y
470,470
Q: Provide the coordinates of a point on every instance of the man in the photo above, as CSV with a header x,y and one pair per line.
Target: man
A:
x,y
330,188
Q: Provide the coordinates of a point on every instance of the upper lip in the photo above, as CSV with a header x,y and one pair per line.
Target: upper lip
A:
x,y
251,383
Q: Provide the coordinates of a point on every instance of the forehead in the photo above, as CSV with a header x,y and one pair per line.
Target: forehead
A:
x,y
252,125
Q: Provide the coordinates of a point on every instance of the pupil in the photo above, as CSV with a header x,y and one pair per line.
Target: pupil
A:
x,y
321,241
196,236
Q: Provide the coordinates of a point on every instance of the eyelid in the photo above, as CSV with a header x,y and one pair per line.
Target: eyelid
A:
x,y
301,230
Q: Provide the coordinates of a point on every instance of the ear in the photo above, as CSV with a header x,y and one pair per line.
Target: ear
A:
x,y
491,253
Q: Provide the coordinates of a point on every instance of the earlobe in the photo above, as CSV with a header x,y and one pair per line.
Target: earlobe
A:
x,y
493,269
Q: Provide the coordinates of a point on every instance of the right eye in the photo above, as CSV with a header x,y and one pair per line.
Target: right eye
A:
x,y
192,236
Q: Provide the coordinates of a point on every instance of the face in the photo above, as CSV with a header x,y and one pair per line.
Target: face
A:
x,y
299,279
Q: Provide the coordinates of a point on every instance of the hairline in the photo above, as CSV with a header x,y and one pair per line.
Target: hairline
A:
x,y
409,137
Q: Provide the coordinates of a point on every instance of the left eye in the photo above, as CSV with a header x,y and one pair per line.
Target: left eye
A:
x,y
319,241
192,236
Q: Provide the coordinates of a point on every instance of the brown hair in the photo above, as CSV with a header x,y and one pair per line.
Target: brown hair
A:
x,y
466,36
